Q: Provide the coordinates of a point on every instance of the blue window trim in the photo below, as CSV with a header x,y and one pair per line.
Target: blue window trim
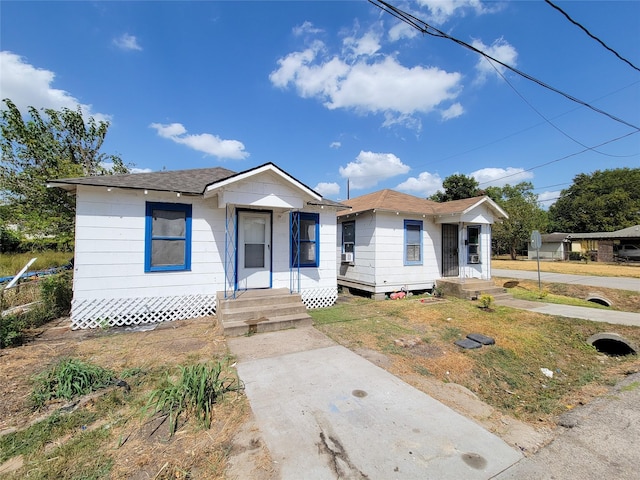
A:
x,y
293,238
407,223
176,207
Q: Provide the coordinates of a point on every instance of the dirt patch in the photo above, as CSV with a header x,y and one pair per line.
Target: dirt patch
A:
x,y
141,447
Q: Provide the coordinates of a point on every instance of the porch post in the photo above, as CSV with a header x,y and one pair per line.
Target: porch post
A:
x,y
230,251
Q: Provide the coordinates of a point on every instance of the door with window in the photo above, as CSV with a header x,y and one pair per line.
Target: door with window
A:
x,y
254,250
450,264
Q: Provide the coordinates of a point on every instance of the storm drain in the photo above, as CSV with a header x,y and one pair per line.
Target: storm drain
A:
x,y
612,344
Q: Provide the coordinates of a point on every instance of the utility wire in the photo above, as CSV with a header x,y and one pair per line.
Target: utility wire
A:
x,y
591,35
425,28
561,158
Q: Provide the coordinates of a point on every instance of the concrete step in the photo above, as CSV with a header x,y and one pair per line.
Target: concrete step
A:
x,y
257,312
238,328
242,301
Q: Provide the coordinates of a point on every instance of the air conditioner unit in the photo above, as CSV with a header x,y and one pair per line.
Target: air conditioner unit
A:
x,y
347,257
474,258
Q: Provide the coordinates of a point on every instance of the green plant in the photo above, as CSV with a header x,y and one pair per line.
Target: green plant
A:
x,y
486,300
438,292
69,378
198,388
57,292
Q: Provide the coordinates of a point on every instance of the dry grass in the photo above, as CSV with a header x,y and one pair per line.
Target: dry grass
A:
x,y
126,443
631,270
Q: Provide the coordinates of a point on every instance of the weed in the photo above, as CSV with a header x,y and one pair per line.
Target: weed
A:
x,y
632,386
69,378
198,388
486,300
449,334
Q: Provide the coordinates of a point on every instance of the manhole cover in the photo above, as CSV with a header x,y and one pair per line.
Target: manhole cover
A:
x,y
359,393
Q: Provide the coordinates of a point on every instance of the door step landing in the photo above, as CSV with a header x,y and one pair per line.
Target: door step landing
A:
x,y
266,310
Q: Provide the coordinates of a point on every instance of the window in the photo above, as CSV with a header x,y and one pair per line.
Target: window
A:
x,y
348,236
473,244
304,239
412,242
167,237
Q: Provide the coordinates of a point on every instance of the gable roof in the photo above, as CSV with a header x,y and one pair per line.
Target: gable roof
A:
x,y
393,201
193,181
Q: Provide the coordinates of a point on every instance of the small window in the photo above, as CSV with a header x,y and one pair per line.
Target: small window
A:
x,y
304,239
412,242
167,237
348,237
473,244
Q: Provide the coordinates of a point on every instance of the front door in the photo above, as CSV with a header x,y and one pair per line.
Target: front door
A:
x,y
254,250
450,265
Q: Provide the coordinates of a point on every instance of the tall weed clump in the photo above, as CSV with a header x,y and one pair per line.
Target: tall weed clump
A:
x,y
70,378
195,392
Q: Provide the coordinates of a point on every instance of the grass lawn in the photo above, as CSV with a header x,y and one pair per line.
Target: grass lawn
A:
x,y
631,269
417,339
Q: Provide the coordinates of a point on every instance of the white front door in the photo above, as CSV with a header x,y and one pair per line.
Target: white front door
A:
x,y
254,250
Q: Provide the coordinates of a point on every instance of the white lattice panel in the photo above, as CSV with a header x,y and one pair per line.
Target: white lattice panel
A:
x,y
117,312
319,297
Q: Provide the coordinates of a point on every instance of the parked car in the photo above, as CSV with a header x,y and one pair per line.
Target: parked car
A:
x,y
629,252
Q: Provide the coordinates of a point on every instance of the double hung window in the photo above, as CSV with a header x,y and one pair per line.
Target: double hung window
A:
x,y
167,237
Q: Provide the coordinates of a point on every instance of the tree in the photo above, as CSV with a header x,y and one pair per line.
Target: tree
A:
x,y
604,201
54,144
525,215
457,187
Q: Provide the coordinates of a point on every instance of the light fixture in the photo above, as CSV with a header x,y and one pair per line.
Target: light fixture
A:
x,y
178,194
108,189
146,192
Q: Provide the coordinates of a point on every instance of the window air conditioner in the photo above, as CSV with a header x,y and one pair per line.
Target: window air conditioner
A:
x,y
474,258
347,257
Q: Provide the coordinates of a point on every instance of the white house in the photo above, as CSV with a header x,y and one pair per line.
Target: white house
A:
x,y
159,246
389,240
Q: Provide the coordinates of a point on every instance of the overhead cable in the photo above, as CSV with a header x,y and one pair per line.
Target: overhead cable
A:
x,y
425,28
591,35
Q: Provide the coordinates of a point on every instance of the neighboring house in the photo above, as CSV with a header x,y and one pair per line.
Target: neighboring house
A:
x,y
597,246
555,246
159,246
389,240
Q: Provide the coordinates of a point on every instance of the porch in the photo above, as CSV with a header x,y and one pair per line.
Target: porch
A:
x,y
469,288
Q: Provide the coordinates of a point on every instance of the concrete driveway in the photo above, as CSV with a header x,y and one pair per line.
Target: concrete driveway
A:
x,y
327,413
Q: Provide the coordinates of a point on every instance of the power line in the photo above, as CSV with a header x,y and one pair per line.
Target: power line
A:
x,y
561,158
591,35
425,28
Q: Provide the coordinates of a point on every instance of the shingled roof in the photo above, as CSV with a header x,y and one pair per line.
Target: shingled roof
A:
x,y
184,181
393,201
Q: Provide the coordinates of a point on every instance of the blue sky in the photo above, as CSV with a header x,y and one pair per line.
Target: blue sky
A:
x,y
337,90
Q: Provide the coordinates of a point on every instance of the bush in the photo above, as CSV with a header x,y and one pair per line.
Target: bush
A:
x,y
11,328
575,256
486,300
57,292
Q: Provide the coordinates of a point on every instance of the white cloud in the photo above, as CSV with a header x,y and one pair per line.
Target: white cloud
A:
x,y
501,50
499,177
26,85
327,189
127,42
401,30
426,184
453,111
370,168
203,142
371,84
306,28
441,10
335,145
366,45
547,199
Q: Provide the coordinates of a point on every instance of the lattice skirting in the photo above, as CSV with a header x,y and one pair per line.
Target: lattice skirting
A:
x,y
319,297
117,312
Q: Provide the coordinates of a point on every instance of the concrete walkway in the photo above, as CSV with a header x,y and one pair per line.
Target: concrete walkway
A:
x,y
586,313
622,283
327,413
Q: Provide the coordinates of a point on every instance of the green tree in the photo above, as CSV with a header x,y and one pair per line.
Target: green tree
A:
x,y
48,145
604,201
525,215
457,187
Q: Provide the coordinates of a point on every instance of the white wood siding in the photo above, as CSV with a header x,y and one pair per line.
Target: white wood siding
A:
x,y
110,245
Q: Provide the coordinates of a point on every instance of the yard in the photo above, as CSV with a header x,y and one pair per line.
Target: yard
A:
x,y
108,435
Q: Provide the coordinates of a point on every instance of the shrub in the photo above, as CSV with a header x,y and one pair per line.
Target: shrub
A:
x,y
486,300
199,387
69,378
57,292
